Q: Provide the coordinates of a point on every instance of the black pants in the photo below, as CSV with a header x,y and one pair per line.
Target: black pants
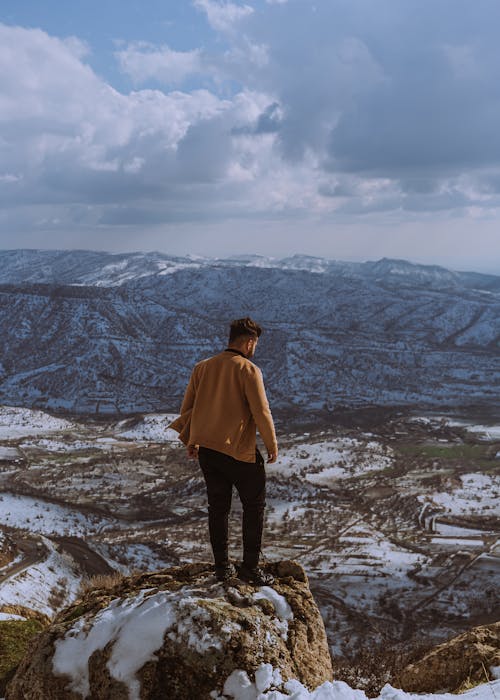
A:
x,y
221,473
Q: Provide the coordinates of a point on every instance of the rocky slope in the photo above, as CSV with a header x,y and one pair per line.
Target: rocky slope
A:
x,y
92,332
463,661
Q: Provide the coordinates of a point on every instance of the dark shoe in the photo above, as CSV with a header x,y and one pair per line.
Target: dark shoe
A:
x,y
225,572
255,576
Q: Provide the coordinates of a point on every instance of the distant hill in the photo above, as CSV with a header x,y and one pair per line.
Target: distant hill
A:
x,y
89,331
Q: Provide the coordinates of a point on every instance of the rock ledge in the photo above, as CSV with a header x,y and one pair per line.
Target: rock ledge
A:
x,y
177,634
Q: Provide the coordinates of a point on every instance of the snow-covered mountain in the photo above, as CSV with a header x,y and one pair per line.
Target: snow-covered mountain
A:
x,y
91,331
82,267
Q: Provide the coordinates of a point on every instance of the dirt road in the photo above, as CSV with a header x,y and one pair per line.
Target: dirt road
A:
x,y
91,563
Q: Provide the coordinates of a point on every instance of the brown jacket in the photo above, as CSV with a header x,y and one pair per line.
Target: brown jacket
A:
x,y
224,403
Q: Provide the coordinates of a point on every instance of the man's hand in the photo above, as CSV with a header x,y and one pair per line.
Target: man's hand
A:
x,y
192,451
272,457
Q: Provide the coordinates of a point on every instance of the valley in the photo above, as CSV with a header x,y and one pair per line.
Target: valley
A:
x,y
394,515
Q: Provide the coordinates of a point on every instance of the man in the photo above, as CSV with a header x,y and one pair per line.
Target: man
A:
x,y
224,403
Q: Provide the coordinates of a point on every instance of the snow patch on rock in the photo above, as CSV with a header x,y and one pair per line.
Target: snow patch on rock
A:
x,y
283,610
136,628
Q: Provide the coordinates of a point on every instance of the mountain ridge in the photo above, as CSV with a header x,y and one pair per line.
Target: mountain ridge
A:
x,y
62,266
85,336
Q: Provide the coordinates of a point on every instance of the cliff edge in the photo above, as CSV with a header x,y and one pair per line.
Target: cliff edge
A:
x,y
178,634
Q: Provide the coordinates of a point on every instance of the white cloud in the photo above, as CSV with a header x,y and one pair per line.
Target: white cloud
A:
x,y
73,148
62,125
330,110
223,15
142,62
76,46
135,165
246,54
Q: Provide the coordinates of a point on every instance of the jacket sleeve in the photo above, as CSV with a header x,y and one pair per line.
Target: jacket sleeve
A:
x,y
259,406
183,423
190,393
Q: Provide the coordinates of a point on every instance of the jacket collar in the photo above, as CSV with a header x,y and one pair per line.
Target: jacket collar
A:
x,y
236,352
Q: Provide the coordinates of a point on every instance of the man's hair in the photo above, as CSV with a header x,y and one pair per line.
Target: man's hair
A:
x,y
244,326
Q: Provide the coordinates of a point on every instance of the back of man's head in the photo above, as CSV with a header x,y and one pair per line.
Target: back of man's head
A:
x,y
244,327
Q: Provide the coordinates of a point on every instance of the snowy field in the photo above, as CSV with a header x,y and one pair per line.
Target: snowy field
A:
x,y
20,422
139,557
9,453
323,462
36,515
479,494
487,432
152,428
374,553
363,566
46,586
49,445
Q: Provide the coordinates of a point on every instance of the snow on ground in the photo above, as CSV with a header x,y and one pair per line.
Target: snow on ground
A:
x,y
461,542
478,495
36,515
268,685
363,555
21,422
323,462
47,586
371,554
9,453
12,563
153,428
456,531
489,432
128,558
277,509
10,616
73,446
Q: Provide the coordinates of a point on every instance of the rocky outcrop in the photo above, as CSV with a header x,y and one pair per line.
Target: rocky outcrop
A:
x,y
452,666
176,634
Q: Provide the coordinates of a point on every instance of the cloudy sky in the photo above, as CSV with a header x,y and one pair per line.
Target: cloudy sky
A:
x,y
350,129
